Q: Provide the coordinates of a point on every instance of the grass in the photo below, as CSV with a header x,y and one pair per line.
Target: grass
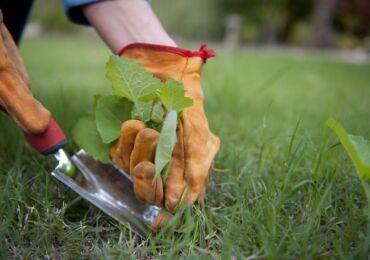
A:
x,y
289,191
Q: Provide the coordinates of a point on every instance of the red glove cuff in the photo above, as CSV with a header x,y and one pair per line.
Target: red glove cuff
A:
x,y
203,52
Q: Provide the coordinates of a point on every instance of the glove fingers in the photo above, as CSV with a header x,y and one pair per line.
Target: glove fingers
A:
x,y
160,221
13,54
15,96
145,188
197,172
27,112
175,182
144,149
121,151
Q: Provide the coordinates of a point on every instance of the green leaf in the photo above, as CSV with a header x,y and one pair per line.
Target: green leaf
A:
x,y
142,111
87,137
173,97
110,113
157,113
357,147
165,171
150,97
129,80
167,141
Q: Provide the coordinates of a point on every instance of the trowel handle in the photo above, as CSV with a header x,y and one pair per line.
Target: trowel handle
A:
x,y
48,142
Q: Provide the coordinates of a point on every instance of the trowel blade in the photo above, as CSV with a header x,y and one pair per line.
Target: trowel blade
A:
x,y
108,188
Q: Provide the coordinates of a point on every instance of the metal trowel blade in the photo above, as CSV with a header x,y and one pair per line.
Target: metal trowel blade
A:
x,y
108,188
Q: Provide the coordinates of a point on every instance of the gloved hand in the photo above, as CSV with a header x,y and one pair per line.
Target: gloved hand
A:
x,y
15,95
196,146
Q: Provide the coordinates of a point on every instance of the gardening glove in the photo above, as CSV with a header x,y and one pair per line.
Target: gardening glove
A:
x,y
15,95
196,146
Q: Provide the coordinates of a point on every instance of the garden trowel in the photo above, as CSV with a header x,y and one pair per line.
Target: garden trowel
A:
x,y
104,185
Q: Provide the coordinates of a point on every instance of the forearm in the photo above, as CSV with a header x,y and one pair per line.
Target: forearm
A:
x,y
121,22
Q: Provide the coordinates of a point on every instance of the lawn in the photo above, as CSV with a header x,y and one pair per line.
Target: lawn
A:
x,y
286,189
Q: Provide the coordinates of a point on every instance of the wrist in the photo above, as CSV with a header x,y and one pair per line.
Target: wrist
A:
x,y
123,25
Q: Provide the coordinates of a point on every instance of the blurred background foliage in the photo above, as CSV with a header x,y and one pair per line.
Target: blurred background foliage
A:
x,y
50,14
318,23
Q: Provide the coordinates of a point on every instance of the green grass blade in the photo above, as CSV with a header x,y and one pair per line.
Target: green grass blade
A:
x,y
357,148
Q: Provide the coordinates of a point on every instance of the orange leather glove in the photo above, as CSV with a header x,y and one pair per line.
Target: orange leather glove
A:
x,y
15,95
196,146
